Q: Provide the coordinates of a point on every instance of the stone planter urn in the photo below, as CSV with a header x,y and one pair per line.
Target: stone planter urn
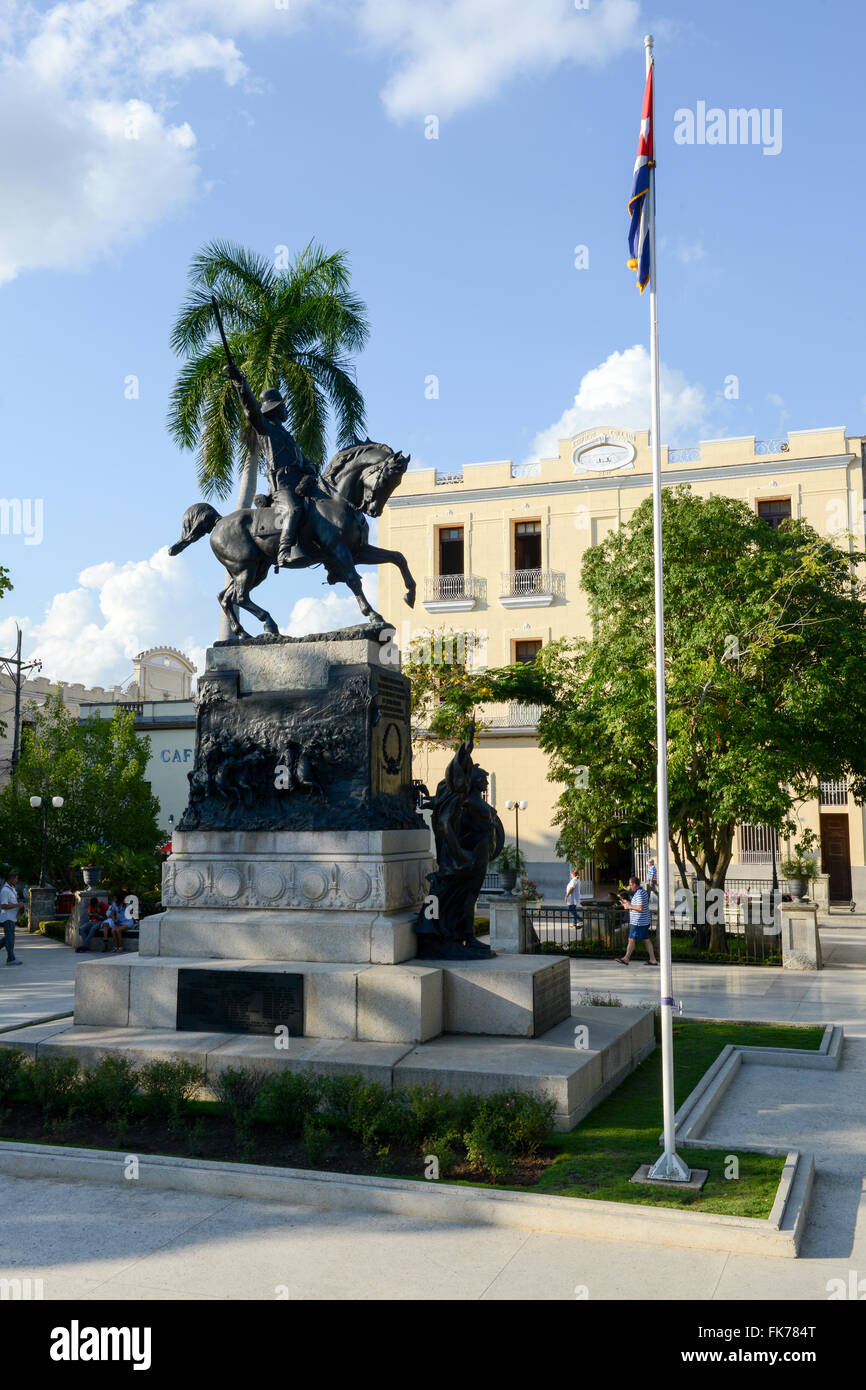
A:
x,y
91,873
508,878
797,889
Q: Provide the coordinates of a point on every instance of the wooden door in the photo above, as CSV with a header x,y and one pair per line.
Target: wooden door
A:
x,y
836,856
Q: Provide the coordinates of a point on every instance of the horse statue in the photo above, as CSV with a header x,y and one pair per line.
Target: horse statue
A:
x,y
334,532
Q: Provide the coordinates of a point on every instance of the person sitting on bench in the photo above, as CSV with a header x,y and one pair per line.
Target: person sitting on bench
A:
x,y
96,919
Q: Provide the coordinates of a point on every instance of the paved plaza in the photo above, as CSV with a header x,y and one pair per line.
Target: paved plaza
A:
x,y
95,1242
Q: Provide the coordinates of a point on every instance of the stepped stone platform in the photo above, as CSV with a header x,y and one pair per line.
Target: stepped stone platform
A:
x,y
508,995
577,1077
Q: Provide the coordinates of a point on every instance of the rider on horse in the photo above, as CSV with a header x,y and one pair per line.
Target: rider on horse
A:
x,y
290,473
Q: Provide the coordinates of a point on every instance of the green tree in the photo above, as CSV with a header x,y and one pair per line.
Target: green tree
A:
x,y
444,689
98,766
765,635
293,328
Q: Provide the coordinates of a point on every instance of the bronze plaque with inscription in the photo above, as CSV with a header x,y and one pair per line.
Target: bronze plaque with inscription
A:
x,y
240,1001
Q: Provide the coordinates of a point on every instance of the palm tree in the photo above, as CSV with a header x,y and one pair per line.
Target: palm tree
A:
x,y
292,328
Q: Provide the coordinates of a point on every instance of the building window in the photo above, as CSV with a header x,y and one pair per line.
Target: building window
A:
x,y
833,793
527,651
451,550
527,545
774,511
756,844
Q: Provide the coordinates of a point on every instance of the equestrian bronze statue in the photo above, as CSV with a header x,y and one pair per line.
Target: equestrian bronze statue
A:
x,y
306,518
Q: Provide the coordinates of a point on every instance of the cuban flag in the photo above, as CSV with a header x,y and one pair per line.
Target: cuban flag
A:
x,y
638,205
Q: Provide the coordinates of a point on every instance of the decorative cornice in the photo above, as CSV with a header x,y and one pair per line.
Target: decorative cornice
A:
x,y
621,482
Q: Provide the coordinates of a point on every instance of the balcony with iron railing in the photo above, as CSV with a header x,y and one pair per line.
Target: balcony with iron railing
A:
x,y
512,715
530,588
445,593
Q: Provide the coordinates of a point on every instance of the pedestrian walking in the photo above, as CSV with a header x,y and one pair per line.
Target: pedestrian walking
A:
x,y
11,903
639,921
572,892
652,879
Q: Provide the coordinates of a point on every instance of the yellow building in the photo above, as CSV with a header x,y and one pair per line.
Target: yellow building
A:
x,y
497,550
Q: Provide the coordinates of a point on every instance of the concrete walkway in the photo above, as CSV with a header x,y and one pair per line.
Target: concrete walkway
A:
x,y
93,1242
759,994
42,986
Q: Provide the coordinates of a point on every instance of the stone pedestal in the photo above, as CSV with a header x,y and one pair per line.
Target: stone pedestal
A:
x,y
297,872
508,927
801,943
41,907
79,915
819,891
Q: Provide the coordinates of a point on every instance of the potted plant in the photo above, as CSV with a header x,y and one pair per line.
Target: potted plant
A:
x,y
87,860
801,866
509,864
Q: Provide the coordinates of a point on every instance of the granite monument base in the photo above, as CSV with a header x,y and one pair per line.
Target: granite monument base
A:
x,y
520,996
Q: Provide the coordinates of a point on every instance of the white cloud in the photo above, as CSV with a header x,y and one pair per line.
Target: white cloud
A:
x,y
89,160
92,632
80,185
326,614
455,54
617,392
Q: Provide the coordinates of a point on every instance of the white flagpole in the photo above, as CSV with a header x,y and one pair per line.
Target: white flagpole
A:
x,y
670,1166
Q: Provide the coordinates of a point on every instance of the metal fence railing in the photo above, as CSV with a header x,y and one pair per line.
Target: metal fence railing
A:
x,y
595,931
748,937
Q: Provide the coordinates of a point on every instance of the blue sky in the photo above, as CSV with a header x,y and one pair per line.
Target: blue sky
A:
x,y
272,125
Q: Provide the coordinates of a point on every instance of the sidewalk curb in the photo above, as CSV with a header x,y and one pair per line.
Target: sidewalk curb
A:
x,y
778,1235
701,1104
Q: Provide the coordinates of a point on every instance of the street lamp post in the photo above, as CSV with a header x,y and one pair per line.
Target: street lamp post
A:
x,y
56,802
516,807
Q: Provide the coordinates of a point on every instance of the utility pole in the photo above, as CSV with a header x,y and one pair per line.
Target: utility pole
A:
x,y
15,667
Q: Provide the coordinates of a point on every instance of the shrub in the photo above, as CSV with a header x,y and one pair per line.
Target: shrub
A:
x,y
107,1090
168,1085
315,1141
507,1124
289,1098
11,1060
428,1114
481,1141
238,1091
51,1083
442,1148
527,1122
359,1107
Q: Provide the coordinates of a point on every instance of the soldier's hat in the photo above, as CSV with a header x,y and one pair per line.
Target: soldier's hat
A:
x,y
270,400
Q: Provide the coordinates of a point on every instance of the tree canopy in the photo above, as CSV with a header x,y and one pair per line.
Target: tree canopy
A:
x,y
293,327
98,766
765,634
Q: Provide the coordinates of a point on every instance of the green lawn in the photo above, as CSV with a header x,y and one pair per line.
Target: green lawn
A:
x,y
598,1158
